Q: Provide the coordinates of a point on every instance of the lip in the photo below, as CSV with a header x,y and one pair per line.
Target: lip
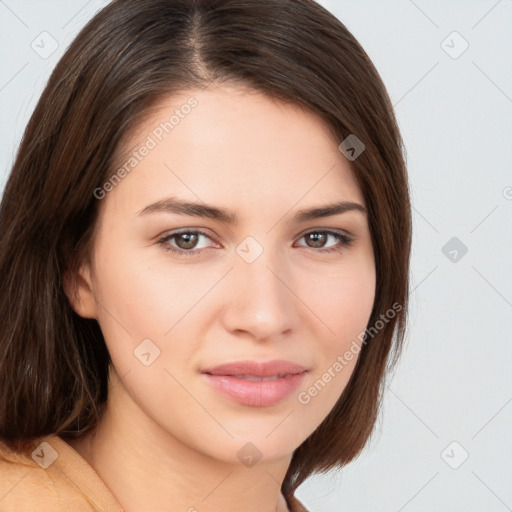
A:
x,y
281,378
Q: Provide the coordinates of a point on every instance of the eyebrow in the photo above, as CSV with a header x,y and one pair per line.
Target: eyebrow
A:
x,y
174,205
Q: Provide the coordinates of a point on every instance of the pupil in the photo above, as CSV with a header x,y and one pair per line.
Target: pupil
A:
x,y
187,240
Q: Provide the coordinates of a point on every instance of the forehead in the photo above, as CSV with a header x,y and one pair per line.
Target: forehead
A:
x,y
226,143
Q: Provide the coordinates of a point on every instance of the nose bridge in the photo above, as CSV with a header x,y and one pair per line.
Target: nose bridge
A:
x,y
262,304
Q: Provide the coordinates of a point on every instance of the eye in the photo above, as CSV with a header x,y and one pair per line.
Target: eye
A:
x,y
326,240
185,242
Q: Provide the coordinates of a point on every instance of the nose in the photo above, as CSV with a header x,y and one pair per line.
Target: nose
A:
x,y
261,302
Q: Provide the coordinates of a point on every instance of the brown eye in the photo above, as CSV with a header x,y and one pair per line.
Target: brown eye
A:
x,y
326,240
316,239
187,242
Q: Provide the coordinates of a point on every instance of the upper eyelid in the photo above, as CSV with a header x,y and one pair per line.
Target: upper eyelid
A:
x,y
201,231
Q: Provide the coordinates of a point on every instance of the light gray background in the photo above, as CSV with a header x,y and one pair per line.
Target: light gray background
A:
x,y
451,394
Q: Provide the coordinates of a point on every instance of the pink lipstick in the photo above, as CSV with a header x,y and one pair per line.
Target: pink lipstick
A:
x,y
256,384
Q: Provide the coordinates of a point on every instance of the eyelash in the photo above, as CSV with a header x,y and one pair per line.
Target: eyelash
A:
x,y
344,242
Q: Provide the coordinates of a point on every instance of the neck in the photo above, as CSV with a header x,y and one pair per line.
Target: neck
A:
x,y
146,468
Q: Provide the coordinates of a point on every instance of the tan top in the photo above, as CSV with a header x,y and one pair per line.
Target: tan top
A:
x,y
56,478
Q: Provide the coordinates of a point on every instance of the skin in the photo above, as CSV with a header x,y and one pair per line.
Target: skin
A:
x,y
163,425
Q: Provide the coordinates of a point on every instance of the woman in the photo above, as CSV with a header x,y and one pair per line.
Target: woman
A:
x,y
205,246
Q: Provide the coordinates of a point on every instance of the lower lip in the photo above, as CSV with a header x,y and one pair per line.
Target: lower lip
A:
x,y
256,393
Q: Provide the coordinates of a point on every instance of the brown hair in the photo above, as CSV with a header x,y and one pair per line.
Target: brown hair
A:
x,y
53,363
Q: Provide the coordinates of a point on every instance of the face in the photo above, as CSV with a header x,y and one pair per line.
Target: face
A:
x,y
232,268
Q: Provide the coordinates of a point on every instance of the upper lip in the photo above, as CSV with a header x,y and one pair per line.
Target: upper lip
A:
x,y
256,368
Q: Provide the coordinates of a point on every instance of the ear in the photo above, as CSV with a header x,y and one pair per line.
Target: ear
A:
x,y
80,292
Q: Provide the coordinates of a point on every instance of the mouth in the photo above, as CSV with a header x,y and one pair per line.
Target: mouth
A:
x,y
256,378
255,384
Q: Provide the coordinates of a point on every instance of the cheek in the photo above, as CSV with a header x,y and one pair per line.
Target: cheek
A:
x,y
145,322
153,300
341,301
147,297
342,306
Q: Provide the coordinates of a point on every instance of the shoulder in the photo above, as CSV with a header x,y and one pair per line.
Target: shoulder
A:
x,y
51,478
25,482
